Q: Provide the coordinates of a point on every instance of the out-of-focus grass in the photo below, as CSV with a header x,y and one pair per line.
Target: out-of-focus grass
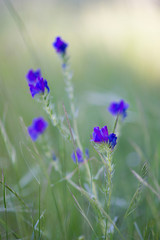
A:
x,y
114,55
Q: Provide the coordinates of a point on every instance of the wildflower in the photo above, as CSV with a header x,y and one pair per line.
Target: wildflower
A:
x,y
120,108
60,45
38,126
112,140
33,75
79,155
36,83
101,136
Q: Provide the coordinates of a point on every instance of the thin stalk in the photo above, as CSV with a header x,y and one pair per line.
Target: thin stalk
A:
x,y
73,143
107,161
96,206
39,229
52,192
115,124
75,126
109,177
108,187
5,205
49,109
23,31
70,90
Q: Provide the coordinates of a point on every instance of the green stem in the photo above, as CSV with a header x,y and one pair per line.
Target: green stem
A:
x,y
110,170
49,108
108,186
70,91
115,124
96,206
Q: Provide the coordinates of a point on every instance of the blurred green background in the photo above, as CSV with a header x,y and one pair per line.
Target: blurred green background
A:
x,y
114,49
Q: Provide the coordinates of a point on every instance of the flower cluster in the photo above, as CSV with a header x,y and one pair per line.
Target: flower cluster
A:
x,y
101,136
36,83
38,126
60,46
118,108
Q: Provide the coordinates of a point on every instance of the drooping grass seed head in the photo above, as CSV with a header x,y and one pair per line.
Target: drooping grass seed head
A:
x,y
37,128
118,108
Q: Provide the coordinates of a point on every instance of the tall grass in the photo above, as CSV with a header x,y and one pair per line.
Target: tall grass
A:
x,y
44,194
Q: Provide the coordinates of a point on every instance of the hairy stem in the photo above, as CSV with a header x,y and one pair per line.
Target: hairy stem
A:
x,y
70,91
50,110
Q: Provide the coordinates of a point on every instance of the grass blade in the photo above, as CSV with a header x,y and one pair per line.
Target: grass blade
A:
x,y
145,184
137,194
82,212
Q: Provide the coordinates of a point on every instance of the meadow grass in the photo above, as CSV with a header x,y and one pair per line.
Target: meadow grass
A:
x,y
39,199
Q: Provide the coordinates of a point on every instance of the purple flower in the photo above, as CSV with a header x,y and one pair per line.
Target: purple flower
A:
x,y
36,83
120,108
33,75
38,126
112,140
101,136
79,156
60,45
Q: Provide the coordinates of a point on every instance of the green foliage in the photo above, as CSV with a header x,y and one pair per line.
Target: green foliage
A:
x,y
44,199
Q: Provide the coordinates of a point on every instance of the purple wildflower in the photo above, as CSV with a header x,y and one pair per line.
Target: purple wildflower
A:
x,y
36,83
60,45
79,154
112,140
33,75
37,128
120,108
101,136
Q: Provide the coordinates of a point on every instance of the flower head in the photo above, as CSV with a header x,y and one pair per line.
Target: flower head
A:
x,y
38,126
60,45
36,83
112,140
101,136
120,108
33,75
79,155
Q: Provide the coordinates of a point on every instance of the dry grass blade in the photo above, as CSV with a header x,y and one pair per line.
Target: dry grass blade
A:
x,y
81,211
10,149
98,209
136,197
145,183
12,191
